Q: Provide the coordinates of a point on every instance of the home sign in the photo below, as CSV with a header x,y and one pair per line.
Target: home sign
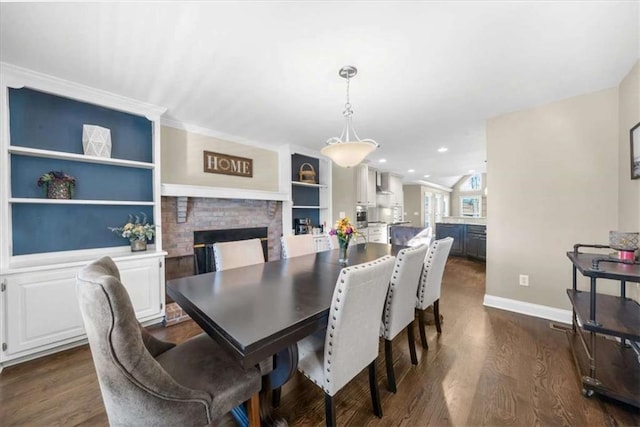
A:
x,y
227,165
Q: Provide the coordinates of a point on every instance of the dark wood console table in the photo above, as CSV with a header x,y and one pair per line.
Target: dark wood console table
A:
x,y
605,330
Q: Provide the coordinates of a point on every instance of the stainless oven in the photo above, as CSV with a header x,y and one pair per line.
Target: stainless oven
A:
x,y
361,217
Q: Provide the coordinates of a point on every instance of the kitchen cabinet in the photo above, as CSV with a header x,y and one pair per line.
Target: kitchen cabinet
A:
x,y
397,198
469,240
476,243
365,186
378,233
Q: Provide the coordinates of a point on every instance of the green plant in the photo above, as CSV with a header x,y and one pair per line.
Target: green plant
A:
x,y
138,229
58,176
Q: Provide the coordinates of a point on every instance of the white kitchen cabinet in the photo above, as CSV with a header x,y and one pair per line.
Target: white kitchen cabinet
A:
x,y
321,242
365,186
397,196
378,233
43,311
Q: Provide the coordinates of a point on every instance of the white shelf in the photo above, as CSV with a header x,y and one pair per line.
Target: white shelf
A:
x,y
80,202
304,184
49,154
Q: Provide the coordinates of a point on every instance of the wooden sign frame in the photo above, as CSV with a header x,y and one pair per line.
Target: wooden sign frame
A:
x,y
226,164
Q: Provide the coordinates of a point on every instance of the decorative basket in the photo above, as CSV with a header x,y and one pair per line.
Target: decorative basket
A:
x,y
307,173
58,189
623,241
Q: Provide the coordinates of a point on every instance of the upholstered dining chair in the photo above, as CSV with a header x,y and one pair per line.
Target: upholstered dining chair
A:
x,y
430,284
399,310
297,245
351,340
239,253
146,381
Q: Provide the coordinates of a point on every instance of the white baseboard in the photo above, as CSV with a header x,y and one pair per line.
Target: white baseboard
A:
x,y
530,309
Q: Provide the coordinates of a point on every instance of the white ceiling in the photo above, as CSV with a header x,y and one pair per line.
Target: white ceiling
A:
x,y
430,73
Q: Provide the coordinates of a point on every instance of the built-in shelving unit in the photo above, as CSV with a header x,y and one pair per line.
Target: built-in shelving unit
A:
x,y
45,241
308,200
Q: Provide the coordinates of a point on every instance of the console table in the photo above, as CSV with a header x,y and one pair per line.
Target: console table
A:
x,y
605,330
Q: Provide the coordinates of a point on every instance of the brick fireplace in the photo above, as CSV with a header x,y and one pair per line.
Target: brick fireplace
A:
x,y
211,214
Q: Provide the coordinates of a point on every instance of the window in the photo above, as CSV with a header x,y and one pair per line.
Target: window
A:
x,y
427,209
471,206
473,183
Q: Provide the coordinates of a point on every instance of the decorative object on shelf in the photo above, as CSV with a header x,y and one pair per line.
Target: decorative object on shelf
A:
x,y
96,141
307,173
348,150
634,134
626,243
138,231
57,185
344,230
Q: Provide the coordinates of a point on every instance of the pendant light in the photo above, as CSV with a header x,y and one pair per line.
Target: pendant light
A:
x,y
348,150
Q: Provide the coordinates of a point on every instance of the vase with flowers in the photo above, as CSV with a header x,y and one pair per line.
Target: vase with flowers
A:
x,y
344,231
57,185
137,230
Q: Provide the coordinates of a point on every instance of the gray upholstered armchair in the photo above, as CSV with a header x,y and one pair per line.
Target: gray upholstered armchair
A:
x,y
146,381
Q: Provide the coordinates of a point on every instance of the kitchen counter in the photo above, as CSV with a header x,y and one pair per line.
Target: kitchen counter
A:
x,y
464,220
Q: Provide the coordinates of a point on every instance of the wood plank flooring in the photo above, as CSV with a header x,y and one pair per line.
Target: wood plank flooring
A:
x,y
488,368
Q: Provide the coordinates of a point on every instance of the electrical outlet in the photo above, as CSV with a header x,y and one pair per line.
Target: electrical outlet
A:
x,y
342,214
524,280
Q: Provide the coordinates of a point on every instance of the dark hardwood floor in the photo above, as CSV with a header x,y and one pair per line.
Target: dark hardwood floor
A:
x,y
488,368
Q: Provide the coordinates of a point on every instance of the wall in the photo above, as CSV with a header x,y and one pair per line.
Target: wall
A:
x,y
554,180
628,189
629,116
182,161
456,194
344,192
414,202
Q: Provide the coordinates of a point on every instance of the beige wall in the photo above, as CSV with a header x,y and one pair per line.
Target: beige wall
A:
x,y
344,192
414,202
182,161
554,180
454,209
629,116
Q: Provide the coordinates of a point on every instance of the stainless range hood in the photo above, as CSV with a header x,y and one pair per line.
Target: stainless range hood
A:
x,y
383,183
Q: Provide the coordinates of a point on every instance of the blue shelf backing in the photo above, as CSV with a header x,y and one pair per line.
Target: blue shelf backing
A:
x,y
93,181
50,122
52,228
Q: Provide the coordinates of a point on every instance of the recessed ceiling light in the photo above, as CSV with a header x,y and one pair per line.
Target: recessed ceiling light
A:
x,y
383,160
426,176
442,149
411,170
472,171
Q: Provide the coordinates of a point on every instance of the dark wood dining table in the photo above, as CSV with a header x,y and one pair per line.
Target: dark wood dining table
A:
x,y
254,312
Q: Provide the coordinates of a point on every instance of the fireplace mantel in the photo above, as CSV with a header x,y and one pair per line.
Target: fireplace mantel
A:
x,y
179,190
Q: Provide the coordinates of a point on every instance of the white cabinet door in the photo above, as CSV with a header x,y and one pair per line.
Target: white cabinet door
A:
x,y
371,188
321,242
362,180
142,280
43,311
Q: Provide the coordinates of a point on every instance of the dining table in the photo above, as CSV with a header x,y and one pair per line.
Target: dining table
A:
x,y
259,312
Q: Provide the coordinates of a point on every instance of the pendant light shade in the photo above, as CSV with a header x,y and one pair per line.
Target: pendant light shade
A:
x,y
348,150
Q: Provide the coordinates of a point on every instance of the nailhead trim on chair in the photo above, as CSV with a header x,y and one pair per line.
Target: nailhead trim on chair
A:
x,y
425,271
392,285
345,271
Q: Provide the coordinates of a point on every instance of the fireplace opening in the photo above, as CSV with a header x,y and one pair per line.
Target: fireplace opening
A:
x,y
203,241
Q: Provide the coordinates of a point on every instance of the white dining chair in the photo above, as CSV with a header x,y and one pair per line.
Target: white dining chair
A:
x,y
239,253
430,284
399,310
351,340
297,245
